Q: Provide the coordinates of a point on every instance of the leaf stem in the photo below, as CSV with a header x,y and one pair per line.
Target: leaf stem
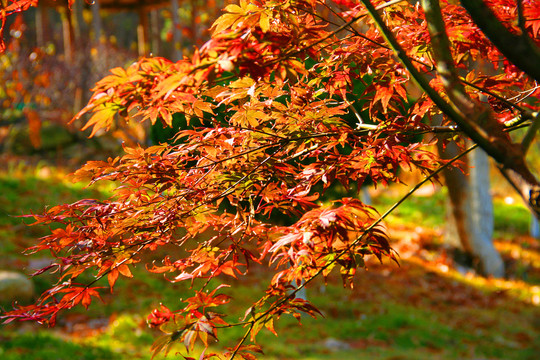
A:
x,y
243,340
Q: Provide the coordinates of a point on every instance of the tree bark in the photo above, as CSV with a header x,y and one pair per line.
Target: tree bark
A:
x,y
155,40
68,34
534,228
471,224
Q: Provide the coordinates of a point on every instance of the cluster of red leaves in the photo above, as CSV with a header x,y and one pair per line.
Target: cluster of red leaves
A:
x,y
325,238
196,321
296,98
159,317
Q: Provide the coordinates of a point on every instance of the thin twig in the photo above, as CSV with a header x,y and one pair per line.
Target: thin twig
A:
x,y
390,3
242,341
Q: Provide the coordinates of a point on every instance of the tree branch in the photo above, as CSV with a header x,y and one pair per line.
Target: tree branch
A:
x,y
521,18
526,114
518,49
444,62
504,153
518,175
372,226
390,3
529,193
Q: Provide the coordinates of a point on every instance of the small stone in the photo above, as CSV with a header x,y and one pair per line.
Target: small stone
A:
x,y
335,344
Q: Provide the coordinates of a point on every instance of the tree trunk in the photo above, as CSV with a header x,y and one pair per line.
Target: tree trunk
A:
x,y
68,34
154,33
471,223
96,22
143,33
177,52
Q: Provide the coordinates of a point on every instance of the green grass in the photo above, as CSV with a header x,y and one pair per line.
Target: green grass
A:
x,y
374,329
23,191
430,211
510,218
47,346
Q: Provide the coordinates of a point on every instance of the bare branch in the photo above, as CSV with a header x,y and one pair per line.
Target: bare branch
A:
x,y
390,3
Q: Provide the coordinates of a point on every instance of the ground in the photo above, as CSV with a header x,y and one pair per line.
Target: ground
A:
x,y
428,307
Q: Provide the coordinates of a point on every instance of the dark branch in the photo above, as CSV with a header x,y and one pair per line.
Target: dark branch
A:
x,y
520,50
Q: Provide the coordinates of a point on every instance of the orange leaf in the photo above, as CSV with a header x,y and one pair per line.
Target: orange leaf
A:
x,y
102,118
124,270
86,299
270,326
34,127
112,277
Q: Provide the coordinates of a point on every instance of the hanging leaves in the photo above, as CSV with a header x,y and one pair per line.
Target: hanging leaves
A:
x,y
284,106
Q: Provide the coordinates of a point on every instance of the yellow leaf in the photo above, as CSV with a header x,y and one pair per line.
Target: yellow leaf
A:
x,y
204,106
264,22
101,119
245,82
118,71
234,9
224,22
255,117
167,86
